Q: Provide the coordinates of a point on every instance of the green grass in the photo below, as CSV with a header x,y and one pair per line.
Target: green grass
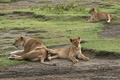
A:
x,y
8,1
9,48
59,27
8,42
8,37
1,43
55,27
107,45
5,1
5,62
43,2
15,32
108,2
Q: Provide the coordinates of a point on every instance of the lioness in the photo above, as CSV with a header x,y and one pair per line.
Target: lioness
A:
x,y
97,16
70,53
34,50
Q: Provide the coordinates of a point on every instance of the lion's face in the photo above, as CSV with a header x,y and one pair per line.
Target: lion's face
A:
x,y
92,11
18,42
75,42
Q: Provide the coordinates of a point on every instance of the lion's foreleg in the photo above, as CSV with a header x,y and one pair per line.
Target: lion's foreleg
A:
x,y
16,58
93,20
80,55
90,19
71,57
16,53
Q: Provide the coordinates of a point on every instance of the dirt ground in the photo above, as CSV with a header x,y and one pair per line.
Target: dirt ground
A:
x,y
97,68
111,31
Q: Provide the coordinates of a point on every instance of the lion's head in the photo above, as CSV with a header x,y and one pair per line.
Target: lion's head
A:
x,y
75,42
19,41
92,11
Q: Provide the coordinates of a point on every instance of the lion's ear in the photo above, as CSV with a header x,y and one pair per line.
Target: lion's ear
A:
x,y
79,38
22,38
93,9
71,40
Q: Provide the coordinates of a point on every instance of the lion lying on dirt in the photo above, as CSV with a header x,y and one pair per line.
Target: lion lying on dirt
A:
x,y
97,16
34,50
70,53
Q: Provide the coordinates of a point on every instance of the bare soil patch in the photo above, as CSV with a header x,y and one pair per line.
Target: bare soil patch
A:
x,y
27,14
19,15
111,31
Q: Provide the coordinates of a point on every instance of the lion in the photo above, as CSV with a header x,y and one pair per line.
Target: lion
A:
x,y
33,50
98,16
69,53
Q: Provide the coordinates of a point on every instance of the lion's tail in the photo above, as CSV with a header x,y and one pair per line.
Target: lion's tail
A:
x,y
51,51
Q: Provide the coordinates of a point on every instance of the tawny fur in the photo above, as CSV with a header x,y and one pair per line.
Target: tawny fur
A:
x,y
98,16
33,49
69,53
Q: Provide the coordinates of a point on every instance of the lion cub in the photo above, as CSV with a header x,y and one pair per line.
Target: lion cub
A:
x,y
97,16
70,53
